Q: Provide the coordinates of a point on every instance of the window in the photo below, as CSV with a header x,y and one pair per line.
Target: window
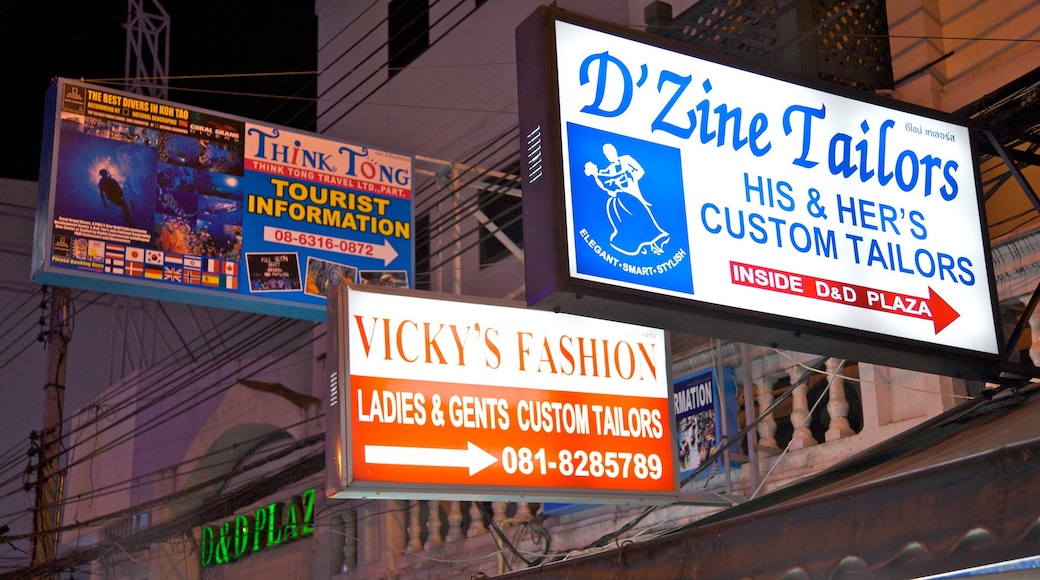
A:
x,y
422,252
409,32
501,204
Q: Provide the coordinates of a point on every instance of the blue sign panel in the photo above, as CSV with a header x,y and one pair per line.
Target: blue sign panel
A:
x,y
696,430
149,198
699,418
629,216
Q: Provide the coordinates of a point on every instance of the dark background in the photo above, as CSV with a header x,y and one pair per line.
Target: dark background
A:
x,y
40,40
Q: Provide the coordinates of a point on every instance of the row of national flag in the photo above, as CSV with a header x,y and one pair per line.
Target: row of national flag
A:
x,y
171,267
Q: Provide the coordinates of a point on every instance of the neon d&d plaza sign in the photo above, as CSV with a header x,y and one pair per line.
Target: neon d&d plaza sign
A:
x,y
662,187
269,526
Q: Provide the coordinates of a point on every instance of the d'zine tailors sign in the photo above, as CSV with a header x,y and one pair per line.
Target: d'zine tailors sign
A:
x,y
737,202
150,198
432,397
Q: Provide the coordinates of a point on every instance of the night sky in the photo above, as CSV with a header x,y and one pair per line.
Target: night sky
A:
x,y
43,39
40,40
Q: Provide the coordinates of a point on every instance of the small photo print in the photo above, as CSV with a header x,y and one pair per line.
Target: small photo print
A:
x,y
389,278
273,272
96,250
324,276
79,248
62,244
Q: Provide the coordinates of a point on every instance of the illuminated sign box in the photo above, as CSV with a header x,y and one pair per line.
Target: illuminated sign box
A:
x,y
445,399
664,188
150,198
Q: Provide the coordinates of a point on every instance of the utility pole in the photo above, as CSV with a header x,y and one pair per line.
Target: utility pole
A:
x,y
49,478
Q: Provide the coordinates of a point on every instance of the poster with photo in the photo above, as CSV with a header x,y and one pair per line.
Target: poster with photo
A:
x,y
272,272
701,421
324,276
388,278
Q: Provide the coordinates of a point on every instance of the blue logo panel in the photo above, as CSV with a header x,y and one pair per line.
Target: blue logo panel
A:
x,y
629,210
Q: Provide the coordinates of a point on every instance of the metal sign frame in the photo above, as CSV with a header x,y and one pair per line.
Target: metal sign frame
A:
x,y
441,396
145,197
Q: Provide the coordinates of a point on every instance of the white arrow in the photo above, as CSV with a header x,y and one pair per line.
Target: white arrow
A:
x,y
387,252
473,457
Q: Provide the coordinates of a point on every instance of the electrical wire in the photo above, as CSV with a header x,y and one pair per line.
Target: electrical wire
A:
x,y
273,362
505,141
261,486
210,391
120,81
164,474
850,377
890,385
381,84
604,540
115,409
628,526
159,379
501,538
188,491
7,310
378,25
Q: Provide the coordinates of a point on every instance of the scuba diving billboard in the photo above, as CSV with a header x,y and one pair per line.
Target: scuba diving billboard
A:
x,y
149,198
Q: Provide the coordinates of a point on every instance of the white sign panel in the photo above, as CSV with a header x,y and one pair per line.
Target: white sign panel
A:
x,y
690,179
498,401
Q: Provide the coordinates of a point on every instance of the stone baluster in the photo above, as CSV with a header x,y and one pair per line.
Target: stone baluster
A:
x,y
523,511
838,406
415,527
1034,331
454,522
433,525
498,508
396,534
802,436
476,521
767,426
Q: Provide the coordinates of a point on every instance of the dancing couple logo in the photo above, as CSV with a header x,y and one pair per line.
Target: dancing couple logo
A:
x,y
629,210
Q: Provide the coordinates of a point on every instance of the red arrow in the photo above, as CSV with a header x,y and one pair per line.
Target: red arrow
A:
x,y
932,308
942,313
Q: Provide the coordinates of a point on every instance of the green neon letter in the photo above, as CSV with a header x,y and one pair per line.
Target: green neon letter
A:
x,y
307,526
206,547
259,526
274,520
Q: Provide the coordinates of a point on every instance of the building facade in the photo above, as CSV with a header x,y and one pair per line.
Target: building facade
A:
x,y
232,487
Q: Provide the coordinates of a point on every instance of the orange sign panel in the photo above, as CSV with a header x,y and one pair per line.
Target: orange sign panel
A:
x,y
446,398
